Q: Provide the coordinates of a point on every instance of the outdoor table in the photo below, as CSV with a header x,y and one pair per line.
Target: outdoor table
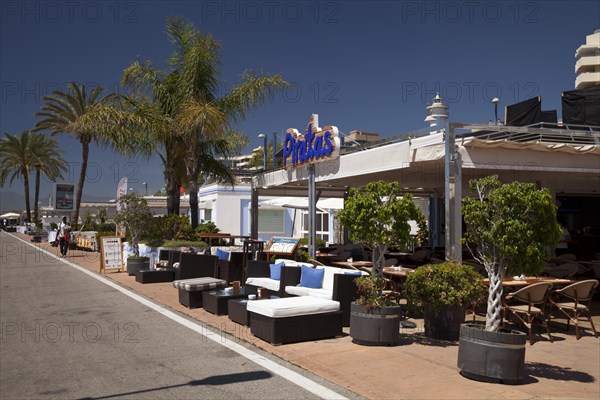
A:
x,y
530,280
397,272
363,265
325,257
218,236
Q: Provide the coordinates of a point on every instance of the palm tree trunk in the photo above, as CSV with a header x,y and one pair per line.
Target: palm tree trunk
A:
x,y
194,202
36,195
172,183
26,185
85,150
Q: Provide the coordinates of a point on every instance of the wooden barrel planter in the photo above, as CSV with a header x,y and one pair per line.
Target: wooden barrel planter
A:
x,y
375,327
443,323
497,357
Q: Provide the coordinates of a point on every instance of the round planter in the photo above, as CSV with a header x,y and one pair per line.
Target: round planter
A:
x,y
135,265
375,327
497,357
443,323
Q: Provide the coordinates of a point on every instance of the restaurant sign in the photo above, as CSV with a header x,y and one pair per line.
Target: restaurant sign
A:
x,y
315,145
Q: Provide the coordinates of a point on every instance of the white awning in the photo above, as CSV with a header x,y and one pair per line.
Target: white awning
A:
x,y
302,203
10,215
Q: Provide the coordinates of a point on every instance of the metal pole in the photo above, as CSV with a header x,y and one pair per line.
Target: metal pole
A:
x,y
312,212
254,213
496,113
265,153
274,150
453,194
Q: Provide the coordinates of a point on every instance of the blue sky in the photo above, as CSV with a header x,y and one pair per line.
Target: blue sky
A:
x,y
360,65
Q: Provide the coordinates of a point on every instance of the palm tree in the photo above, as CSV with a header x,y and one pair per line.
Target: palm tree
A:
x,y
45,159
153,97
15,160
63,112
179,112
205,119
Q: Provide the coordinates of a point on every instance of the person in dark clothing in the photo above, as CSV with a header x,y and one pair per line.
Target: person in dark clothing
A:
x,y
63,236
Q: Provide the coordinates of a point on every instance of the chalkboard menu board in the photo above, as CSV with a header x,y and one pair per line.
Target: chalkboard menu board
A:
x,y
111,253
282,245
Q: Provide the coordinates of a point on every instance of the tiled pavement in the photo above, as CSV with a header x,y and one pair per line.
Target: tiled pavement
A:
x,y
418,368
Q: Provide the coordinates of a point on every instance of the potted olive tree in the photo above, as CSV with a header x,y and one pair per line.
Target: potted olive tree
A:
x,y
508,230
444,291
377,216
134,214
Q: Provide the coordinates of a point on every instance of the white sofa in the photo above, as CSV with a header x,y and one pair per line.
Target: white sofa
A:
x,y
337,285
326,289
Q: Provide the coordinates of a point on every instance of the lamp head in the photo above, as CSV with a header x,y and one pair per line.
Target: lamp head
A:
x,y
495,100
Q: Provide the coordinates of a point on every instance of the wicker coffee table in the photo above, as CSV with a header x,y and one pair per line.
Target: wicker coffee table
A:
x,y
215,301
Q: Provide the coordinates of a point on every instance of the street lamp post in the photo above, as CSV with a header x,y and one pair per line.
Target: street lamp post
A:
x,y
264,137
274,150
495,100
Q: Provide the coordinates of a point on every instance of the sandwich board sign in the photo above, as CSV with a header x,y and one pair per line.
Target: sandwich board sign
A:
x,y
111,253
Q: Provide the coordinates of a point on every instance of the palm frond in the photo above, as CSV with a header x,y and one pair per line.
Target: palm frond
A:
x,y
252,92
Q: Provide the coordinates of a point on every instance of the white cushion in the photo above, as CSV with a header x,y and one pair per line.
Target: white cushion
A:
x,y
292,263
266,283
304,291
292,306
199,284
328,277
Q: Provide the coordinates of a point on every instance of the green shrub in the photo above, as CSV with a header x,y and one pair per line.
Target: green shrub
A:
x,y
207,227
302,255
304,242
370,289
184,243
445,284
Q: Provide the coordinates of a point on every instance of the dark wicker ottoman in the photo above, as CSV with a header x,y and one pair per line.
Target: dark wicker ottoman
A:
x,y
190,290
215,301
238,312
295,319
154,276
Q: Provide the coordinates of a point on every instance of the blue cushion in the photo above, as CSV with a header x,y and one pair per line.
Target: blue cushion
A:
x,y
352,273
222,254
276,270
311,277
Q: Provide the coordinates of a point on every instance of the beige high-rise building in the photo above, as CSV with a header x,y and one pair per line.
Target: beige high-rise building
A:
x,y
587,66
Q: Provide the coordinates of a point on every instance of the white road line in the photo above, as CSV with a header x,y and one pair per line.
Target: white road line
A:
x,y
305,383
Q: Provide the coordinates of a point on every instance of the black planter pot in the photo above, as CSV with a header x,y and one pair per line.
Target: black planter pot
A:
x,y
375,327
134,265
497,357
443,323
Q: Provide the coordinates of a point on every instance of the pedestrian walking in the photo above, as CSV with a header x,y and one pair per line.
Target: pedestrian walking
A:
x,y
63,236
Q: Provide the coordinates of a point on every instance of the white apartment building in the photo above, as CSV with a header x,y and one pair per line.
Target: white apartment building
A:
x,y
587,66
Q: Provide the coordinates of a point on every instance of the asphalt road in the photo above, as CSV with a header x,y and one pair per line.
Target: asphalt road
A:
x,y
67,335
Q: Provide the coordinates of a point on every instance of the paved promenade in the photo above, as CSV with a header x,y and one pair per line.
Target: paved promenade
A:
x,y
419,368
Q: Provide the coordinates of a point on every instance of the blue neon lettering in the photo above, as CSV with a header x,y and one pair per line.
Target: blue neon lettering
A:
x,y
307,148
327,146
318,151
287,148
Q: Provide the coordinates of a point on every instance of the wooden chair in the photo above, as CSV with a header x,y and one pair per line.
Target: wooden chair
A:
x,y
574,301
528,304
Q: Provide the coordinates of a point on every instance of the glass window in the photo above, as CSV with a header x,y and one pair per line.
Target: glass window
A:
x,y
271,221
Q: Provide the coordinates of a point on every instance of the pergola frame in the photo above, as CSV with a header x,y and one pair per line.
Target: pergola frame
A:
x,y
332,180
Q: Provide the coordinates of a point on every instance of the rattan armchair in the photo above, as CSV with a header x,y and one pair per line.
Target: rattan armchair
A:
x,y
574,301
528,304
